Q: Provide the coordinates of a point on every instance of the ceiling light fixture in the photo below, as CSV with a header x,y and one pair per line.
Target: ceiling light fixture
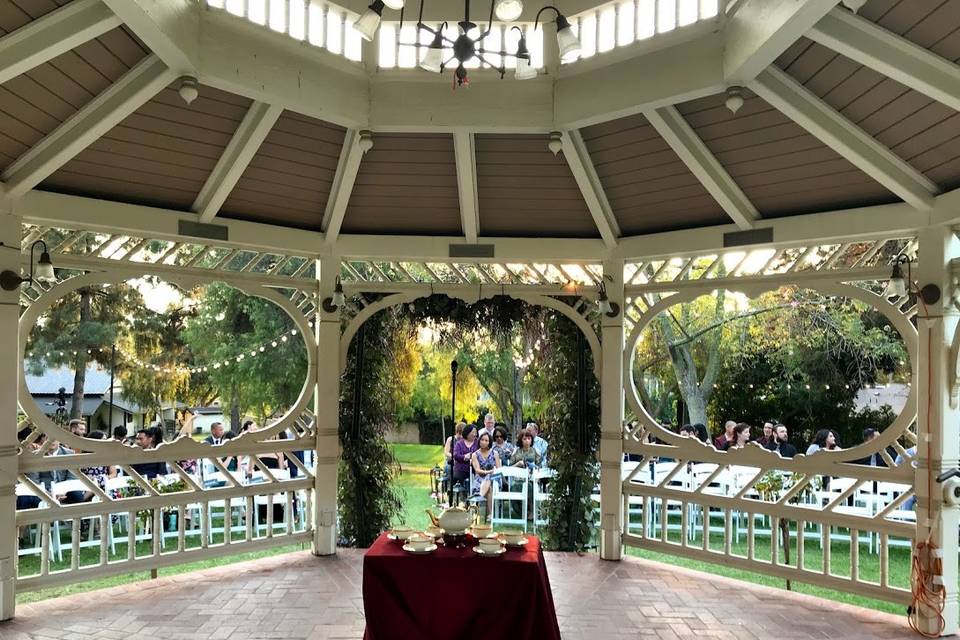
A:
x,y
556,142
189,89
734,99
898,286
436,56
365,141
10,280
854,5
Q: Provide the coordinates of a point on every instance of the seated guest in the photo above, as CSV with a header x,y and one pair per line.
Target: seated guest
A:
x,y
539,443
40,478
489,423
702,434
448,448
270,460
97,474
781,442
216,434
501,444
485,463
525,455
687,431
824,439
874,459
149,438
120,434
463,450
741,436
723,441
78,427
767,436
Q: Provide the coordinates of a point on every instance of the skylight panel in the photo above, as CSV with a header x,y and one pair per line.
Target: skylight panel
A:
x,y
646,18
666,15
687,12
588,35
257,11
334,32
278,15
315,25
387,40
298,28
625,22
607,33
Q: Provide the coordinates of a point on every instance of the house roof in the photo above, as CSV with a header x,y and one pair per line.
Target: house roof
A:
x,y
96,383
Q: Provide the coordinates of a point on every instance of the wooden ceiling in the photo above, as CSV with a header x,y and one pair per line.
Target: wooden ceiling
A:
x,y
163,154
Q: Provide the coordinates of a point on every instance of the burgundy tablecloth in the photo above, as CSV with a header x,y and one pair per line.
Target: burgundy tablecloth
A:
x,y
454,594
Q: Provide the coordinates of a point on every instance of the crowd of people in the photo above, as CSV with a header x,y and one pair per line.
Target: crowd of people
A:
x,y
487,448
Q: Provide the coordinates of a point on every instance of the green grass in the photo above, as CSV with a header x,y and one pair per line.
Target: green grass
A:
x,y
414,482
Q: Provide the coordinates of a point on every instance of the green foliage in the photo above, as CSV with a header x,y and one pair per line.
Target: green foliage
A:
x,y
572,453
227,324
369,394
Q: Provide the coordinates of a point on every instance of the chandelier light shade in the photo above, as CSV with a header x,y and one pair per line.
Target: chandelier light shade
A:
x,y
368,23
468,47
508,10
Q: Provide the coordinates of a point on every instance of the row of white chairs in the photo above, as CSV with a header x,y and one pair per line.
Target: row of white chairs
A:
x,y
512,498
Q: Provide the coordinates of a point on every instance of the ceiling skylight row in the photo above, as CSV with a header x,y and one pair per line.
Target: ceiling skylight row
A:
x,y
317,23
621,23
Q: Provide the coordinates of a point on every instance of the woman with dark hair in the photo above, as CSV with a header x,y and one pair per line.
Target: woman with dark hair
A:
x,y
501,444
98,474
525,455
741,436
485,463
824,439
702,434
463,451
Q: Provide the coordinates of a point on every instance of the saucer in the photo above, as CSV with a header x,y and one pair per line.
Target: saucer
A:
x,y
522,542
429,549
495,554
395,538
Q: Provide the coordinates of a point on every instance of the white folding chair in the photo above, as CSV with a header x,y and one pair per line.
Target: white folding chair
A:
x,y
541,479
509,496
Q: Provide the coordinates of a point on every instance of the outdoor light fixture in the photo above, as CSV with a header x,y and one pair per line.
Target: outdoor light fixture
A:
x,y
336,301
465,47
897,286
189,89
365,140
10,280
854,5
556,142
734,99
606,306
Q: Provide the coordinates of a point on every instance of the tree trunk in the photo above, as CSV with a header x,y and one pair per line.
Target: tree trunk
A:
x,y
517,400
235,413
80,362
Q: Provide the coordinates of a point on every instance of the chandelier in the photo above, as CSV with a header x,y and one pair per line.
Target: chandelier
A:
x,y
465,47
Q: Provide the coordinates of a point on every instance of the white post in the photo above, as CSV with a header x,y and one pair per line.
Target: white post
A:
x,y
611,419
327,409
9,360
938,422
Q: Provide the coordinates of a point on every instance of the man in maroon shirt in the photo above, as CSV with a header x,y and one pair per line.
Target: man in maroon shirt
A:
x,y
722,441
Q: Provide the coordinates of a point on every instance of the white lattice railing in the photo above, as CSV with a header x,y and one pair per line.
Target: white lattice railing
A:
x,y
199,509
317,23
621,23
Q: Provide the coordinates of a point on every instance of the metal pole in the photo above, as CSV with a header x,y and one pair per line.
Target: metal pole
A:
x,y
453,421
113,366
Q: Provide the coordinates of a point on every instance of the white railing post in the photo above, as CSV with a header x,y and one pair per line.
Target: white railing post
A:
x,y
938,447
327,410
611,418
9,360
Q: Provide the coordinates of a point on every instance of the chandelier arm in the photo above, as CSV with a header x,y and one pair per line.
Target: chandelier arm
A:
x,y
432,32
500,52
489,23
536,20
501,69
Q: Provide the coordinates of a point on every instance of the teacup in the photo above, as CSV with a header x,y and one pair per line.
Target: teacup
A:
x,y
481,530
402,532
419,541
490,545
512,536
434,531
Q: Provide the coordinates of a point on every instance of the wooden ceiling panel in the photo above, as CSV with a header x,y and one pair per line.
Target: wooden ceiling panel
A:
x,y
649,188
406,185
19,13
288,182
526,191
166,149
896,116
35,103
932,24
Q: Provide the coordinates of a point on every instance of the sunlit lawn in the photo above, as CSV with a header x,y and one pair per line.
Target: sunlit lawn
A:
x,y
416,461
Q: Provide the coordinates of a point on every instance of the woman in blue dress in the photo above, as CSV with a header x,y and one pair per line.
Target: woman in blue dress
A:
x,y
485,463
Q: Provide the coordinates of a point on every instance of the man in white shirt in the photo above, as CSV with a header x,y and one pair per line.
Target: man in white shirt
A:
x,y
539,443
488,424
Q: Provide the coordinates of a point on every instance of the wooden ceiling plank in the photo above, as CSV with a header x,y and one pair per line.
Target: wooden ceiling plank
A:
x,y
52,35
464,151
581,166
895,57
243,146
103,113
684,141
346,175
844,137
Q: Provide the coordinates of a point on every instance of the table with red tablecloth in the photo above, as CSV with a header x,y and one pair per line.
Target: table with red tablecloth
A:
x,y
455,594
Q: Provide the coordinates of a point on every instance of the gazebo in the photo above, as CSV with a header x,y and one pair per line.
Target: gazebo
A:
x,y
268,145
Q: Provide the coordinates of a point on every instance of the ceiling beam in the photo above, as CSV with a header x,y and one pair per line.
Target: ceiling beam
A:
x,y
578,158
169,28
895,57
53,34
246,140
464,150
760,30
101,114
850,141
343,180
687,144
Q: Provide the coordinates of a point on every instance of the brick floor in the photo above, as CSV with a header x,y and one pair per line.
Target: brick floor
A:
x,y
298,596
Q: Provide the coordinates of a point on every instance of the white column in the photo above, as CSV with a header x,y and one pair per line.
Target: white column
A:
x,y
939,423
9,360
327,409
611,420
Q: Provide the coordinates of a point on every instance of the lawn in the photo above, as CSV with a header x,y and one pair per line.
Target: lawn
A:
x,y
416,461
